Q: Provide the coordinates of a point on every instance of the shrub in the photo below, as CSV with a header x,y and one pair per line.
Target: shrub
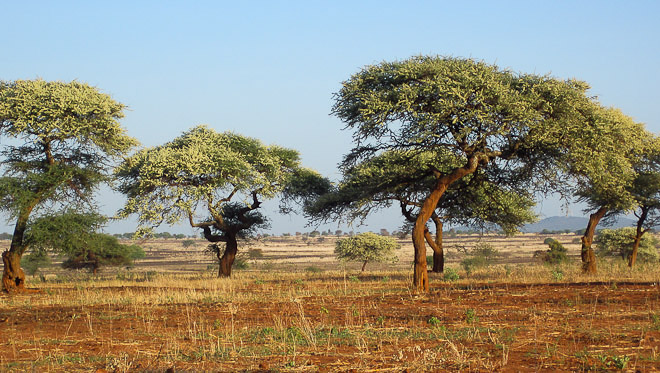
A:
x,y
619,242
450,274
367,247
480,256
34,260
555,255
187,243
102,250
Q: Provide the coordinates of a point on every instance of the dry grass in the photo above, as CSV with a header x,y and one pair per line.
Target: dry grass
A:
x,y
281,317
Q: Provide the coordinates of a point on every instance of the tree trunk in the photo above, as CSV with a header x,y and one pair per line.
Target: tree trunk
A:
x,y
438,255
227,259
421,277
13,277
638,236
588,255
364,265
436,245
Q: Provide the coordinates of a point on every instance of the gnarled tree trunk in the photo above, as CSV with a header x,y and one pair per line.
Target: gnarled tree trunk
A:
x,y
227,258
13,277
588,255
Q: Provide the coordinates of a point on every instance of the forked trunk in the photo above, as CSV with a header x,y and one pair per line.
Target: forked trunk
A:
x,y
13,277
638,236
227,258
588,255
421,276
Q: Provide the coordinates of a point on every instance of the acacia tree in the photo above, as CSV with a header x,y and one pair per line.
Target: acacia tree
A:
x,y
402,178
65,138
646,192
223,176
602,166
482,115
367,247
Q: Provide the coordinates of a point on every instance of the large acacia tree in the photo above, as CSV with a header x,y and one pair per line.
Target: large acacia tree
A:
x,y
403,178
484,116
215,181
61,140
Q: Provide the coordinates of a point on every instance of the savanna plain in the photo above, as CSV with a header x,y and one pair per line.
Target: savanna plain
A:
x,y
293,307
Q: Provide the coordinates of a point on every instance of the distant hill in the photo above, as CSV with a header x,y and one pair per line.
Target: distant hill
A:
x,y
574,223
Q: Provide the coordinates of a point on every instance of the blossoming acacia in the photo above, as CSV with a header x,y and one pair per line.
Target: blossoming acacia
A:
x,y
66,137
225,176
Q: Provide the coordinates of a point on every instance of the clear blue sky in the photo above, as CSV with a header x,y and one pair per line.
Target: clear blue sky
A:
x,y
268,69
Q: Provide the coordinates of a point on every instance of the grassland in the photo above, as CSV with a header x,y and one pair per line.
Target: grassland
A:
x,y
295,309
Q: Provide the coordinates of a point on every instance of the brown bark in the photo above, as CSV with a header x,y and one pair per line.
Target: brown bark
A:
x,y
438,255
13,277
420,276
436,245
227,259
364,265
588,255
638,236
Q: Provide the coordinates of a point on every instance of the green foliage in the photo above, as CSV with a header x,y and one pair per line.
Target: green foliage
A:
x,y
555,255
471,316
67,136
557,274
367,247
34,260
75,236
187,243
619,242
207,169
450,274
102,250
480,256
434,321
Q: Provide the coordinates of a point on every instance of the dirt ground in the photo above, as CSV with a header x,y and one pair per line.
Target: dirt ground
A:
x,y
293,311
477,327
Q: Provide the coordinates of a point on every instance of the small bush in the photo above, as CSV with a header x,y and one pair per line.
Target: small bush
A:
x,y
555,255
367,247
34,260
450,274
481,255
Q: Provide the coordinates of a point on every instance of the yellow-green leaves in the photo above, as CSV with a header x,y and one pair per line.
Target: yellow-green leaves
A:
x,y
67,135
203,170
59,112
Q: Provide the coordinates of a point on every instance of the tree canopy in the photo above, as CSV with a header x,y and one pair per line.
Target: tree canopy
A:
x,y
65,139
214,180
479,114
367,247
